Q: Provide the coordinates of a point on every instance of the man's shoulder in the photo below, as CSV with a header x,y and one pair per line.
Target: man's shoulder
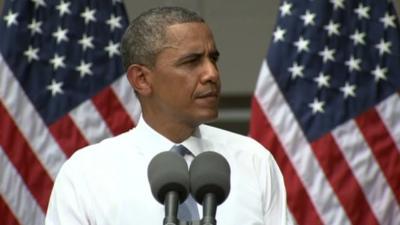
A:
x,y
210,131
231,139
104,148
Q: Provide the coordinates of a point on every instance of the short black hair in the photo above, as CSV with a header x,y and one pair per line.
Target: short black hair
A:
x,y
145,36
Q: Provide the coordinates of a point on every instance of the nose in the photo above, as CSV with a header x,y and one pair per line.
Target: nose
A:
x,y
210,72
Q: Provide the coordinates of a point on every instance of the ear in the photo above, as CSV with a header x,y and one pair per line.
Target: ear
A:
x,y
138,77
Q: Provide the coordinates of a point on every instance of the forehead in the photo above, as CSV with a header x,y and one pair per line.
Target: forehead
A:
x,y
189,35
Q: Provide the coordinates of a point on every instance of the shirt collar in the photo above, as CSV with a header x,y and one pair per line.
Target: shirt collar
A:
x,y
154,143
196,143
149,140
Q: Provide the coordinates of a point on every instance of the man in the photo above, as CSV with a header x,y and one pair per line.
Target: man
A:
x,y
171,61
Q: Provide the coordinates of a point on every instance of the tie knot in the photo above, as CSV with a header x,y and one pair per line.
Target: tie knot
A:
x,y
181,150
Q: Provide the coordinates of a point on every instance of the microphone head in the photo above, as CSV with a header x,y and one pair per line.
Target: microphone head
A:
x,y
166,172
210,173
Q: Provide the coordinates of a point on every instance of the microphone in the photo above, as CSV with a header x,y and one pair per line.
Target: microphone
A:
x,y
169,181
209,183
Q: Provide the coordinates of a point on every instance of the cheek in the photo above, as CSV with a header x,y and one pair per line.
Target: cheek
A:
x,y
180,85
186,85
176,92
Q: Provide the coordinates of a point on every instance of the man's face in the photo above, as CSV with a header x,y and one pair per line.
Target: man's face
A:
x,y
185,78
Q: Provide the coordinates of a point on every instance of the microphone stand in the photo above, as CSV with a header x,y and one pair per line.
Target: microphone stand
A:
x,y
209,212
171,208
209,209
171,211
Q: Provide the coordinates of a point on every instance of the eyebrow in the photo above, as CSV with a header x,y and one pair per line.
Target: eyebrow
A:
x,y
214,53
189,56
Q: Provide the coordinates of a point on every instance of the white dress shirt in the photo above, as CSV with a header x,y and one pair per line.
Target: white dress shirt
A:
x,y
106,183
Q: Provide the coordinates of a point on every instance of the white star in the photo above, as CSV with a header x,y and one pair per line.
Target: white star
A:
x,y
379,73
286,9
114,22
32,53
112,49
11,18
384,47
35,27
55,87
358,38
332,28
308,18
60,35
84,69
302,44
353,64
296,70
327,54
388,20
63,8
317,106
348,90
57,61
88,15
337,4
86,42
39,3
322,80
279,34
362,11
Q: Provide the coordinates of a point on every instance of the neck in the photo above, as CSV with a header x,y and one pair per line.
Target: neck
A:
x,y
174,131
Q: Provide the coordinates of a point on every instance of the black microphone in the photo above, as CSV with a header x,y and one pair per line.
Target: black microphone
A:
x,y
169,181
209,183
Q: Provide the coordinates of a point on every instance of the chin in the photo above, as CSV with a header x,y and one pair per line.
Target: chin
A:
x,y
209,117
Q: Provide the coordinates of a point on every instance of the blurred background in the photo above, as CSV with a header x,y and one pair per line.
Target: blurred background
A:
x,y
242,31
347,173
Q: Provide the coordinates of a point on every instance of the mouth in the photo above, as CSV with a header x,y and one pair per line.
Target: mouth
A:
x,y
209,94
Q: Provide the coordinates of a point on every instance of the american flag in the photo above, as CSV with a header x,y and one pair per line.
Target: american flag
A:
x,y
61,88
327,105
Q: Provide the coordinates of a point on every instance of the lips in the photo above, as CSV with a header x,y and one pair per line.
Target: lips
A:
x,y
208,91
207,94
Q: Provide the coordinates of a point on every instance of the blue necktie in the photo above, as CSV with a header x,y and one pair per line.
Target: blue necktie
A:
x,y
187,211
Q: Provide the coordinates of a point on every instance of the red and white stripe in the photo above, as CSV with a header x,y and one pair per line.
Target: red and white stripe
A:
x,y
32,127
367,172
389,111
32,153
89,122
16,196
358,188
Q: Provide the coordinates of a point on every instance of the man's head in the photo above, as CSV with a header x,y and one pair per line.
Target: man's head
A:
x,y
175,73
145,37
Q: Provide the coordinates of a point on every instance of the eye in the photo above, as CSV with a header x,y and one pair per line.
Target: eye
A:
x,y
214,57
193,60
